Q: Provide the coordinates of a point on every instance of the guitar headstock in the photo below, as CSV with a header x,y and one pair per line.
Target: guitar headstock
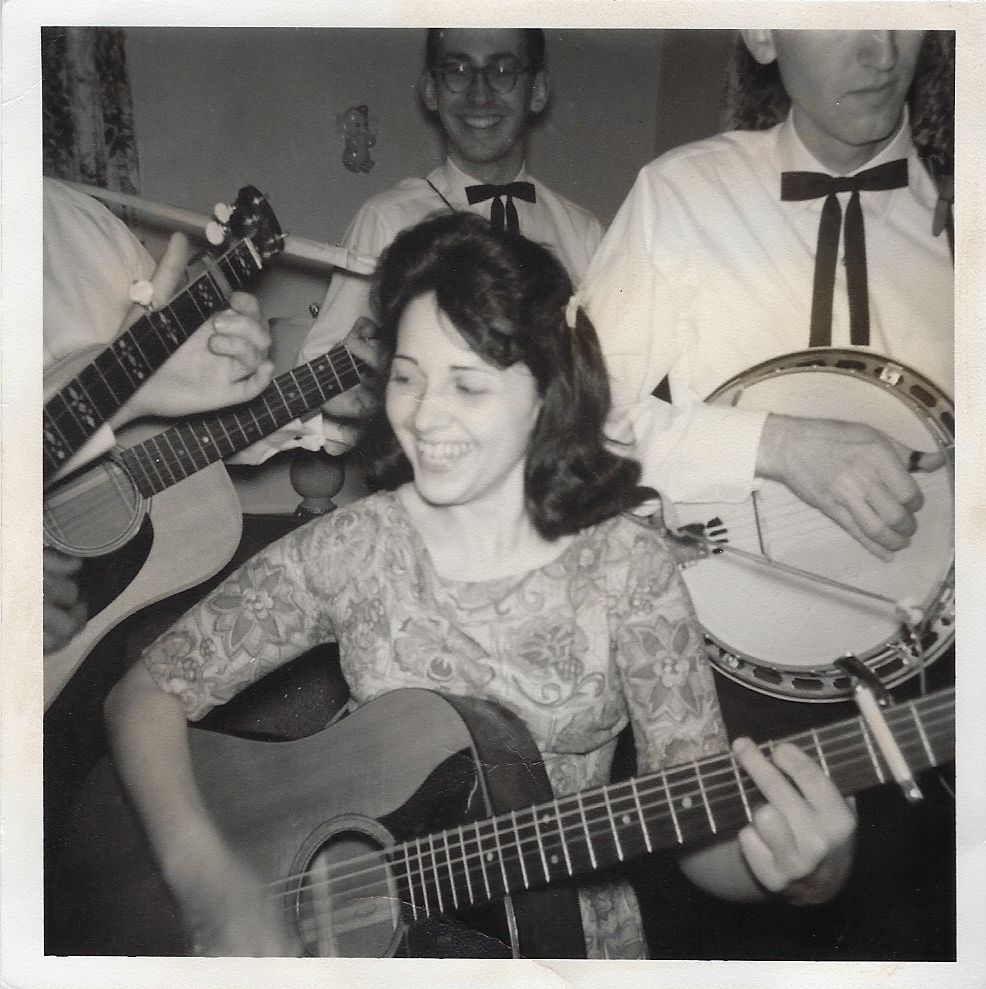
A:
x,y
250,217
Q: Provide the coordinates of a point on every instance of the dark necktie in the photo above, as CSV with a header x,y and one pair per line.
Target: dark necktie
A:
x,y
502,218
814,185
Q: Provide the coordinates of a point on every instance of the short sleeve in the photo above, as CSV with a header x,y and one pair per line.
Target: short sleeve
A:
x,y
660,657
278,605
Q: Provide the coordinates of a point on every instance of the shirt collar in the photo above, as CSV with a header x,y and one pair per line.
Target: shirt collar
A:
x,y
793,156
454,180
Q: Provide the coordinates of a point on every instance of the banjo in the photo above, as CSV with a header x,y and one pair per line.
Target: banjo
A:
x,y
786,593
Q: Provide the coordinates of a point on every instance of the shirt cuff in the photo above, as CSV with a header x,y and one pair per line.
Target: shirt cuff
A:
x,y
702,453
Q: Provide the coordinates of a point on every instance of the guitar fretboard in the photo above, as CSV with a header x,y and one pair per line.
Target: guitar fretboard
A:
x,y
711,798
177,453
104,385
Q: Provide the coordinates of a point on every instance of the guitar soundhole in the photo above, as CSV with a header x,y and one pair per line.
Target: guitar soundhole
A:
x,y
344,902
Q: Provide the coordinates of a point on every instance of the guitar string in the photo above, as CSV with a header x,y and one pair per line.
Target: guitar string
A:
x,y
134,329
342,366
425,864
789,522
73,511
383,869
834,758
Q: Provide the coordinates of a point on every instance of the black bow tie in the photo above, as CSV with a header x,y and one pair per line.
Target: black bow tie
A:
x,y
814,185
500,218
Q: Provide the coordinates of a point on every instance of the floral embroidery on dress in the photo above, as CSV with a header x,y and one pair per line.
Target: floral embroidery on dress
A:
x,y
255,608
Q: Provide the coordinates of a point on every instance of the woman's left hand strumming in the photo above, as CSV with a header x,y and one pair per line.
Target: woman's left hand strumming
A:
x,y
800,843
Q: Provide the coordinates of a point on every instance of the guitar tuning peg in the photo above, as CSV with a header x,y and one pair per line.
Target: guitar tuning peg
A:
x,y
223,212
215,233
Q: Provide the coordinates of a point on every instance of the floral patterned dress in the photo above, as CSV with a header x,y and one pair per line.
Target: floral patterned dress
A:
x,y
600,637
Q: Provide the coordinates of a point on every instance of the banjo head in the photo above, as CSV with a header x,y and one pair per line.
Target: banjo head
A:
x,y
782,634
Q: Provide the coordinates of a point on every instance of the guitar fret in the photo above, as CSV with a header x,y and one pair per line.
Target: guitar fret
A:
x,y
410,883
540,841
482,862
157,480
422,876
182,435
434,868
167,323
164,457
561,834
218,279
741,788
705,799
640,815
465,863
499,855
256,422
612,824
520,852
106,383
585,828
819,752
674,816
871,751
280,393
448,865
932,761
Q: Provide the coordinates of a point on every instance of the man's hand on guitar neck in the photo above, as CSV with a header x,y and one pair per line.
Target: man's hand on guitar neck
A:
x,y
222,363
853,473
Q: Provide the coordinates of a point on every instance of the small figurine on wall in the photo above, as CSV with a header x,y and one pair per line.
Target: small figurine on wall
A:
x,y
360,135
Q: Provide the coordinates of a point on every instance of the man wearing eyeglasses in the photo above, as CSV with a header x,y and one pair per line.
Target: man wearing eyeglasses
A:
x,y
485,86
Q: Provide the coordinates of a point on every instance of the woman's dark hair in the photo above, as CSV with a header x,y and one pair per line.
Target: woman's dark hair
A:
x,y
507,296
756,98
533,41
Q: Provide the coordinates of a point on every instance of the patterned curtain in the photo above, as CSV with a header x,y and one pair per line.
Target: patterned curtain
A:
x,y
87,113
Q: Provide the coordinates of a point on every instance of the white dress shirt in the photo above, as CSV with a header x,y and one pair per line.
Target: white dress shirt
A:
x,y
705,272
570,231
90,258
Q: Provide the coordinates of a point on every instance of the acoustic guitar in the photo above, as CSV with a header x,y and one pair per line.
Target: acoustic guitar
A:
x,y
96,392
137,550
376,828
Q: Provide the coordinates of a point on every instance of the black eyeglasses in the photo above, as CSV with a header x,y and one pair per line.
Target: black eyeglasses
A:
x,y
500,74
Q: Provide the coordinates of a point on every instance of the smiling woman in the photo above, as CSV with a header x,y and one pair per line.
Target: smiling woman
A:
x,y
496,569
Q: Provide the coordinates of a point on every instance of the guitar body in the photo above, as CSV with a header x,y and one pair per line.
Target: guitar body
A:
x,y
377,835
405,765
181,537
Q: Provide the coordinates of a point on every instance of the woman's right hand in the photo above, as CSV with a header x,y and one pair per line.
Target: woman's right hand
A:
x,y
227,912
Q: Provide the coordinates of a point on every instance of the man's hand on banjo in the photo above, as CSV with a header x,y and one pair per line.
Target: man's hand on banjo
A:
x,y
853,473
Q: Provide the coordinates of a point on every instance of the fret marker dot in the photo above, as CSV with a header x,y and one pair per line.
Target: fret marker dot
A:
x,y
489,856
554,860
625,819
545,819
686,802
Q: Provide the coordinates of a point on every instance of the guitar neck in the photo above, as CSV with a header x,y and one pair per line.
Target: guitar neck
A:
x,y
177,453
104,385
703,801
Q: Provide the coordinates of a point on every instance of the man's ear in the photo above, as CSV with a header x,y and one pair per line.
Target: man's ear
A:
x,y
540,92
428,96
760,44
